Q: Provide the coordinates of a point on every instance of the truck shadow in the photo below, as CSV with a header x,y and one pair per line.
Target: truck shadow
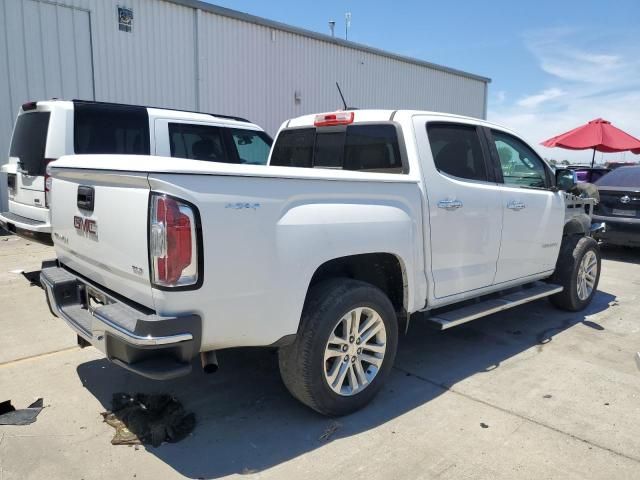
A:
x,y
247,421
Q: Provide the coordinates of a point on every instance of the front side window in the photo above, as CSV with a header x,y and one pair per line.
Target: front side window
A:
x,y
252,146
197,142
520,165
456,151
364,147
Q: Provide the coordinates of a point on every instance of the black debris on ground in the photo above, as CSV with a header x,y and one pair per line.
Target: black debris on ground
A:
x,y
148,419
484,425
25,416
547,396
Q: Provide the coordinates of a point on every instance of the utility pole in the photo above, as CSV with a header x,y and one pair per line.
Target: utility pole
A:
x,y
347,25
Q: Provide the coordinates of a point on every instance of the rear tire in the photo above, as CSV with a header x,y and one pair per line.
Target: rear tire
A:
x,y
345,347
578,271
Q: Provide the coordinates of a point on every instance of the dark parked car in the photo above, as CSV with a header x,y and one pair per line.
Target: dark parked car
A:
x,y
619,206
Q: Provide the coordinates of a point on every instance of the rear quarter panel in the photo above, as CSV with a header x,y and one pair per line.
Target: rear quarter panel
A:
x,y
264,237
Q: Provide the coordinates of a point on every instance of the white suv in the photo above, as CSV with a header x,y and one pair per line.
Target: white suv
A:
x,y
47,130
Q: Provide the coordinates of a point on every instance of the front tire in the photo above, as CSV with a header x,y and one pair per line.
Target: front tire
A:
x,y
578,271
344,349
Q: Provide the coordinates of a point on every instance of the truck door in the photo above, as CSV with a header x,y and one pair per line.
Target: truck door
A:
x,y
465,218
533,215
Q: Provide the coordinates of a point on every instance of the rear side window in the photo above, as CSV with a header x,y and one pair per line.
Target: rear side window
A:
x,y
197,142
456,151
29,141
111,129
365,147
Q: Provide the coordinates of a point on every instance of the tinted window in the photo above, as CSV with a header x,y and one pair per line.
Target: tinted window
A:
x,y
371,148
197,142
520,165
329,150
29,141
294,148
621,177
111,129
456,151
252,146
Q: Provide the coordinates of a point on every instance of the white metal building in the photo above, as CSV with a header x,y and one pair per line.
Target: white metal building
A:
x,y
192,55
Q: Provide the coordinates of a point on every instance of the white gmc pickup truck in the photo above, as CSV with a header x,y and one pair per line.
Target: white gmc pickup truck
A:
x,y
361,219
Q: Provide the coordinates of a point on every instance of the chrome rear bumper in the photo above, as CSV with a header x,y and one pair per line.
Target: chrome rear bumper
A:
x,y
130,336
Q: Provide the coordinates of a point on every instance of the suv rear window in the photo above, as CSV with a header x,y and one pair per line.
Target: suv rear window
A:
x,y
119,129
30,140
366,147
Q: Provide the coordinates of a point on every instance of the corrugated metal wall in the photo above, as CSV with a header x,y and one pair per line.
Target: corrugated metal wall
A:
x,y
182,57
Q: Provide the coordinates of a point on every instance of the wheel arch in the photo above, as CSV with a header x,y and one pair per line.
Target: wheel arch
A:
x,y
576,226
383,270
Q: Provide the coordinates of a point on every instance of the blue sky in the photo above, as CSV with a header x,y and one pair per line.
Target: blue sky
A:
x,y
554,64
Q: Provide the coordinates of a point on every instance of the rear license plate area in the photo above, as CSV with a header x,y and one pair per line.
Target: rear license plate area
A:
x,y
95,299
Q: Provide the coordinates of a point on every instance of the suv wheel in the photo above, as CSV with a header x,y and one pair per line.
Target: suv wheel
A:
x,y
344,349
578,271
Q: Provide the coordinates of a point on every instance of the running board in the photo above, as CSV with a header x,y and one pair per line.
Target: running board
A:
x,y
468,313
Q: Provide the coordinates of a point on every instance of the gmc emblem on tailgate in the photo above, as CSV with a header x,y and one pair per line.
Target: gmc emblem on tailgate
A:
x,y
85,225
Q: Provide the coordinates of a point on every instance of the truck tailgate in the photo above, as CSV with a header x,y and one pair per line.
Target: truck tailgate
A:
x,y
99,227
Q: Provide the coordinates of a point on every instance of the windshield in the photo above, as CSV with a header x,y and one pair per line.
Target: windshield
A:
x,y
30,140
621,177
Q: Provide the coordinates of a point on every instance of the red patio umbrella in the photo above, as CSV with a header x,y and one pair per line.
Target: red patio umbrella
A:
x,y
599,135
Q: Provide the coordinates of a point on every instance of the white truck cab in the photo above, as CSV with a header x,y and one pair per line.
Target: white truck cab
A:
x,y
47,130
361,220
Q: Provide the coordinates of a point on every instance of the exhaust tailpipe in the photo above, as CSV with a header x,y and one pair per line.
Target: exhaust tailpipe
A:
x,y
209,361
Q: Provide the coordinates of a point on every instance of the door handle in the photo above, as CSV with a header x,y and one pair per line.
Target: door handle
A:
x,y
515,205
450,204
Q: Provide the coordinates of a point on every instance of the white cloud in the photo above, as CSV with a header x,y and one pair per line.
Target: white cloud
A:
x,y
583,83
544,96
500,97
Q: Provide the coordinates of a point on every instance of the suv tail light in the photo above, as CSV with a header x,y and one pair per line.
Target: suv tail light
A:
x,y
173,243
332,119
47,181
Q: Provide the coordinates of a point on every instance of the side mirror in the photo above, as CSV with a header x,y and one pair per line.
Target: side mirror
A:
x,y
566,179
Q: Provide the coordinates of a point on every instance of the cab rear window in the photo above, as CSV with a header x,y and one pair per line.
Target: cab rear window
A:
x,y
29,141
364,147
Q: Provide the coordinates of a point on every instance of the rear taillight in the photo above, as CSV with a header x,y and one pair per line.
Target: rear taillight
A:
x,y
173,242
47,181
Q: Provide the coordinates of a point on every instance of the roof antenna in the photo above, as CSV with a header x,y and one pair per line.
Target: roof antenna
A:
x,y
342,96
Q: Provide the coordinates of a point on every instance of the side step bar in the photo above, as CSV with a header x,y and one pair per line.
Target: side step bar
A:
x,y
468,313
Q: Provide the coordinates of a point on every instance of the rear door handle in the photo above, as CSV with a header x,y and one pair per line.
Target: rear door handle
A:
x,y
515,205
450,204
